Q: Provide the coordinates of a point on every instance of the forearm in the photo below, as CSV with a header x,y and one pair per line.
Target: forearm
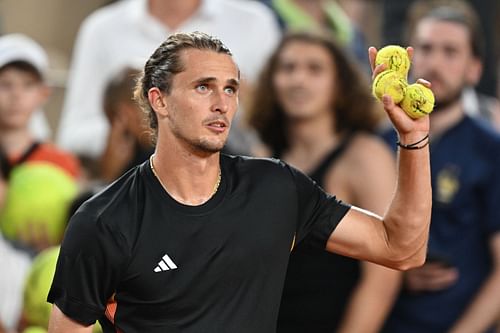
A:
x,y
372,300
408,218
483,311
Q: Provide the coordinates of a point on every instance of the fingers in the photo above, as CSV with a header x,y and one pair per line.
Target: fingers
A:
x,y
372,54
430,277
424,83
389,104
410,51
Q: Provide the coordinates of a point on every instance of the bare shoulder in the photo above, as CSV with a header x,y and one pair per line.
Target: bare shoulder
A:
x,y
367,149
366,163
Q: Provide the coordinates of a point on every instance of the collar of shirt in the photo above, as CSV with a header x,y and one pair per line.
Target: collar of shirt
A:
x,y
140,15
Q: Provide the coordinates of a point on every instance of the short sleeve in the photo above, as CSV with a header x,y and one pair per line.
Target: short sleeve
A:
x,y
318,212
88,268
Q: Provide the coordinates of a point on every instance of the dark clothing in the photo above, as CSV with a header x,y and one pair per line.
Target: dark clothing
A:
x,y
465,173
318,284
217,267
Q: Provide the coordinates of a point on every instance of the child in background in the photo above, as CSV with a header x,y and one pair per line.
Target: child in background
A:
x,y
23,90
129,142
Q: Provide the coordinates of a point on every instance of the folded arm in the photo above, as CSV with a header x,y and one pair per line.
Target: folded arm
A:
x,y
399,239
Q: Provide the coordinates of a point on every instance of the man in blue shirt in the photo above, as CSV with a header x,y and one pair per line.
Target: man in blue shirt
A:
x,y
457,289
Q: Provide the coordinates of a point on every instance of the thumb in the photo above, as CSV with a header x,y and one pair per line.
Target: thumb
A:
x,y
388,103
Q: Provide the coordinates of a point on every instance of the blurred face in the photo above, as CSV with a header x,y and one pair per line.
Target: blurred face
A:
x,y
203,100
304,80
21,93
443,56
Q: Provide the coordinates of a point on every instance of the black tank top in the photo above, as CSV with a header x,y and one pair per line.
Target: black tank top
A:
x,y
318,284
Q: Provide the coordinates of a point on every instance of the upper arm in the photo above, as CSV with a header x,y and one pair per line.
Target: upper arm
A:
x,y
371,184
361,235
495,249
60,323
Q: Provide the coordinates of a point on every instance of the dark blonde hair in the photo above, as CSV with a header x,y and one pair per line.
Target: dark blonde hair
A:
x,y
354,107
165,63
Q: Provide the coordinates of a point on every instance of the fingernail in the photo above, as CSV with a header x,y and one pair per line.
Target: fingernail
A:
x,y
386,100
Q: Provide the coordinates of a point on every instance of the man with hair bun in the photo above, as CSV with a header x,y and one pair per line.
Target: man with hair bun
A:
x,y
194,240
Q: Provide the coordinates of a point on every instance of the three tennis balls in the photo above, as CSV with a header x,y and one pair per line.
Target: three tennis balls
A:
x,y
415,99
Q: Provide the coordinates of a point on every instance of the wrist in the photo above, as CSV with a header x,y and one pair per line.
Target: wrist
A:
x,y
413,141
411,137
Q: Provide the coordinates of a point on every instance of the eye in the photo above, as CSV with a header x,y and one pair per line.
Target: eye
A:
x,y
202,88
230,90
286,67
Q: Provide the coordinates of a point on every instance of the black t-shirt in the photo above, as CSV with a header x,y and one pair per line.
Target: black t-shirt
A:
x,y
168,267
316,301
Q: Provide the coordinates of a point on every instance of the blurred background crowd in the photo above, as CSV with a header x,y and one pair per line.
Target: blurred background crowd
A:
x,y
69,126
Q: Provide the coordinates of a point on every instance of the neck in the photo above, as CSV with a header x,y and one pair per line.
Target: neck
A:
x,y
310,140
189,178
173,13
442,120
15,142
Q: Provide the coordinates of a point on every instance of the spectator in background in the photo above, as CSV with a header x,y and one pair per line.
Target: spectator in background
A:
x,y
126,32
457,289
15,265
396,15
322,15
129,141
23,90
314,110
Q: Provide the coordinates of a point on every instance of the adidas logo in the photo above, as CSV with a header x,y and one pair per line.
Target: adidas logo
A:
x,y
165,264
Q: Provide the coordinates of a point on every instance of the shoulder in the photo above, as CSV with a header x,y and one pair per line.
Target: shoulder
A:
x,y
268,173
482,135
249,8
109,15
364,146
114,206
255,165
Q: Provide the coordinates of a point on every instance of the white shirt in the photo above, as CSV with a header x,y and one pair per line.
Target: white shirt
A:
x,y
125,34
15,266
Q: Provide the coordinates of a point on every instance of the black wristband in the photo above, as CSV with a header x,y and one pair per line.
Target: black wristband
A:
x,y
415,145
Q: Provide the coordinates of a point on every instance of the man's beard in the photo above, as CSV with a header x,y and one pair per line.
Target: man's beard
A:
x,y
448,101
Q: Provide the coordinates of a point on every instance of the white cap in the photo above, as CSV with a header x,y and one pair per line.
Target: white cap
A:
x,y
18,47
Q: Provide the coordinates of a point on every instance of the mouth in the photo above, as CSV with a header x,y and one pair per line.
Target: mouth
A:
x,y
218,126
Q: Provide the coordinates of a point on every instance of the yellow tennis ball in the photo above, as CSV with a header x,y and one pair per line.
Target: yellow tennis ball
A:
x,y
396,59
38,198
418,101
391,83
34,329
36,308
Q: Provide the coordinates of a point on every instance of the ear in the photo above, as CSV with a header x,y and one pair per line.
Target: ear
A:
x,y
474,71
158,101
44,93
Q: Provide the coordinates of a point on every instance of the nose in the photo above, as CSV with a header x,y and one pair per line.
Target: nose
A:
x,y
220,102
298,75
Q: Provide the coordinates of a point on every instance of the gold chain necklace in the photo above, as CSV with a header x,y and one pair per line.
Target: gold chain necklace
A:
x,y
216,186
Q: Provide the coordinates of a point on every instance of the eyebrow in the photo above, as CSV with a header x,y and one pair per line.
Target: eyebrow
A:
x,y
203,80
